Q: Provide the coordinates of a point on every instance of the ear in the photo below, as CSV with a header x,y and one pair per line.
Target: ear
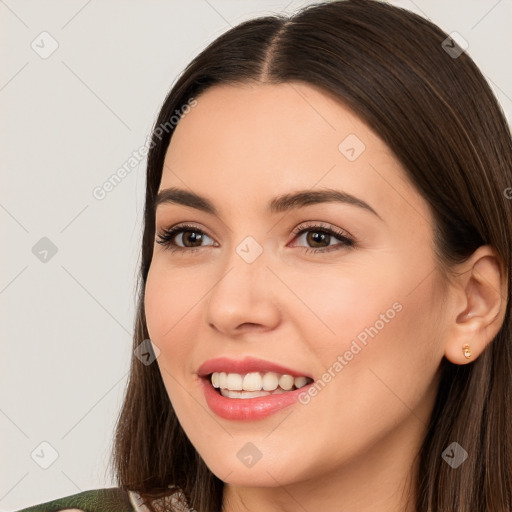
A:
x,y
478,304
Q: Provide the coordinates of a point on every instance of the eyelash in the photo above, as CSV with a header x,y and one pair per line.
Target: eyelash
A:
x,y
167,235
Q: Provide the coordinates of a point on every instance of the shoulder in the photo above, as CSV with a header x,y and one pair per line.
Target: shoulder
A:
x,y
111,499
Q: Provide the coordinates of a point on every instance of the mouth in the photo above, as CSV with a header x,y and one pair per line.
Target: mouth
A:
x,y
260,395
255,384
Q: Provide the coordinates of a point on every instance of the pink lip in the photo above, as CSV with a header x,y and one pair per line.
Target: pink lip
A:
x,y
248,409
246,365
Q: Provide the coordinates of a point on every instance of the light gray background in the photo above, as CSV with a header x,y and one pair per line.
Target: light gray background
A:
x,y
68,122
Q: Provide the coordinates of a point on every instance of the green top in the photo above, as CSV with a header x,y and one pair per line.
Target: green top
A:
x,y
98,500
113,499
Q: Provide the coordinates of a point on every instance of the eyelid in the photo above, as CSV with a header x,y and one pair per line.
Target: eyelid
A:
x,y
319,225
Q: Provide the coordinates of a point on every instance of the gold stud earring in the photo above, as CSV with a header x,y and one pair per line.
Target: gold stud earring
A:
x,y
466,350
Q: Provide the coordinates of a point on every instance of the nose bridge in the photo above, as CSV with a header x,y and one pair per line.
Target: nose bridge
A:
x,y
244,270
242,293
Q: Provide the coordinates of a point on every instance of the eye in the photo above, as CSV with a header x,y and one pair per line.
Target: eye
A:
x,y
190,235
320,237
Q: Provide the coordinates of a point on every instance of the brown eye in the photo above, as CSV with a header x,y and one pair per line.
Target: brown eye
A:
x,y
319,238
190,237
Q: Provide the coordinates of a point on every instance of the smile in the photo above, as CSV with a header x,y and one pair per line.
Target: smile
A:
x,y
242,405
255,384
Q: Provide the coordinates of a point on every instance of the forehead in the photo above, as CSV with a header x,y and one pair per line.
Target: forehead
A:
x,y
243,143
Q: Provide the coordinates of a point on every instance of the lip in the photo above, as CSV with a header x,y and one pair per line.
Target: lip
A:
x,y
248,409
246,365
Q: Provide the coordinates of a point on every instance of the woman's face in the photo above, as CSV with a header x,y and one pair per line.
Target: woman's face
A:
x,y
361,314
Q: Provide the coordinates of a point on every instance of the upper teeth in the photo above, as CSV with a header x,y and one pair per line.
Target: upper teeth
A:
x,y
256,381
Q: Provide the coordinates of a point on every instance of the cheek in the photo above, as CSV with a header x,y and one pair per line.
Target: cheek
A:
x,y
170,303
169,309
169,300
373,333
338,306
159,305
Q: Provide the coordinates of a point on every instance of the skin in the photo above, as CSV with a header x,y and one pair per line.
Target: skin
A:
x,y
352,447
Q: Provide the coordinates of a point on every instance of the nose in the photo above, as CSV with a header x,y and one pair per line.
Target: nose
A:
x,y
242,298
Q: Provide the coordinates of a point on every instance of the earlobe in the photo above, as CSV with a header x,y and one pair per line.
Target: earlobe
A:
x,y
479,291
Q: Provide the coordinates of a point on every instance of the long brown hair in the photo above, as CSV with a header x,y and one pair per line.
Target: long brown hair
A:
x,y
434,109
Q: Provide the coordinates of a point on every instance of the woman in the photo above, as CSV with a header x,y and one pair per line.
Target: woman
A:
x,y
325,277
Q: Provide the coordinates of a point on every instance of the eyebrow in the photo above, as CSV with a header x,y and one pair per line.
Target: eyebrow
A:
x,y
278,204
